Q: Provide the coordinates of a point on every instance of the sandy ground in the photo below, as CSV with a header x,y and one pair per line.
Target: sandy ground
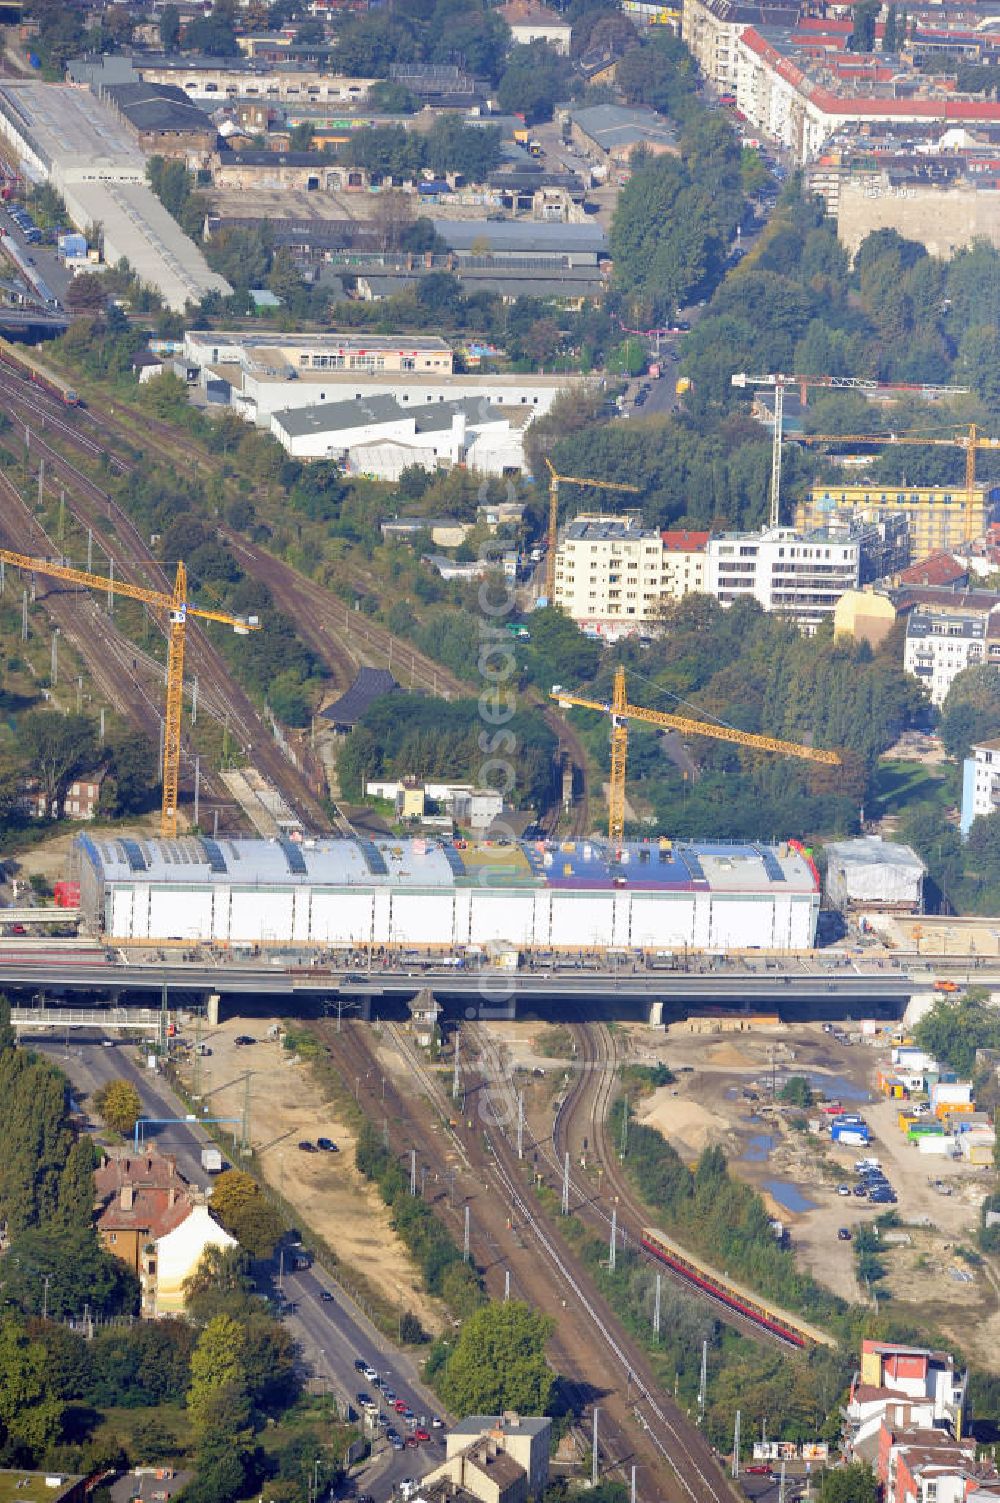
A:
x,y
286,1106
722,1094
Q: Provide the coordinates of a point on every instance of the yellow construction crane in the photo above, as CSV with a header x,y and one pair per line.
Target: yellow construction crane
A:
x,y
554,479
971,442
177,608
622,712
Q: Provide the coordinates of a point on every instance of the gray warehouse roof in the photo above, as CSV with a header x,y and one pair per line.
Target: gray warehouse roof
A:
x,y
157,107
871,850
522,236
612,125
333,417
521,1424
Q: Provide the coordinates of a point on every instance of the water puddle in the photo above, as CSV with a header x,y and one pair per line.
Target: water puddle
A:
x,y
759,1148
838,1087
788,1195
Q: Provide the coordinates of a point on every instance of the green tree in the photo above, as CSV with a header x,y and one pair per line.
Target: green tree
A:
x,y
170,28
239,1204
30,1414
217,1368
499,1362
855,1483
76,1270
971,710
797,1091
118,1105
300,137
8,1035
862,37
534,80
76,1186
954,1029
889,37
56,747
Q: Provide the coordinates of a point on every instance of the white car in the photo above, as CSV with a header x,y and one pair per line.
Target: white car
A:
x,y
407,1488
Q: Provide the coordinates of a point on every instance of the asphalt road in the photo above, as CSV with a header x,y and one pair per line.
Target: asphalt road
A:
x,y
329,1328
817,982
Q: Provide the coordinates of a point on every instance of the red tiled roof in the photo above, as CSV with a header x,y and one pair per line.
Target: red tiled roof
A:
x,y
154,1212
682,541
936,569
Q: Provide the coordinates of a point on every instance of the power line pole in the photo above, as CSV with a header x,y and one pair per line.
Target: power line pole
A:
x,y
565,1187
465,1241
736,1445
656,1309
164,1019
90,550
196,1071
632,1493
245,1145
703,1383
54,669
456,1078
520,1124
506,1285
413,1171
781,1484
624,1141
197,786
612,1253
593,1463
41,484
24,617
194,700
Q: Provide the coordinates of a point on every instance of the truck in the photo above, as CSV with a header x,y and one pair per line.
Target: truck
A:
x,y
211,1160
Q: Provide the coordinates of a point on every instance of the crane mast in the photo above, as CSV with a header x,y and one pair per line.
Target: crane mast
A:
x,y
178,610
621,712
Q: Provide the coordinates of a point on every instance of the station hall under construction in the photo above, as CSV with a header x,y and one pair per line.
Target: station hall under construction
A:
x,y
450,896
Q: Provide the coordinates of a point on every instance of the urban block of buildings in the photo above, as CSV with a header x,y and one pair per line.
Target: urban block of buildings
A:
x,y
614,575
792,77
898,1388
491,1459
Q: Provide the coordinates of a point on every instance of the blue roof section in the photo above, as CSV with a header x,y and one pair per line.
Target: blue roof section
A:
x,y
429,864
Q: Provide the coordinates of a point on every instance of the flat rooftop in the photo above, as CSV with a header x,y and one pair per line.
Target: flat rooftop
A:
x,y
651,866
333,341
413,383
35,1487
70,131
868,851
606,529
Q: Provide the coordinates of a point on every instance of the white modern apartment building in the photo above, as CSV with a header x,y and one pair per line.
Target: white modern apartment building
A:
x,y
980,783
938,648
609,574
801,576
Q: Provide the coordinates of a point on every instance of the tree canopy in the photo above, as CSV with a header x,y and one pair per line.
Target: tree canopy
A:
x,y
498,1362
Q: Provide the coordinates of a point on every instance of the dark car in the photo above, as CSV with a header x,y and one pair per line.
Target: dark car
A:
x,y
306,1147
326,1296
844,1234
861,1191
360,1364
327,1145
364,1399
243,1039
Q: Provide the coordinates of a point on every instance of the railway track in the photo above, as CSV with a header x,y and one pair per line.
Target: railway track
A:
x,y
341,638
133,558
638,1425
580,1129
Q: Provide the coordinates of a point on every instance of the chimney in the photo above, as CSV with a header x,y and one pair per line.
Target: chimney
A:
x,y
126,1197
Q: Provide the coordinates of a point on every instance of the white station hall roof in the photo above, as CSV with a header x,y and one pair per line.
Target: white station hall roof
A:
x,y
650,866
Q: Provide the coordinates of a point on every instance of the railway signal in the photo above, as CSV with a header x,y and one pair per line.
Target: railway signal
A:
x,y
178,609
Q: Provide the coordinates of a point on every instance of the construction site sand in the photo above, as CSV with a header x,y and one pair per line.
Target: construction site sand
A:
x,y
286,1106
680,1118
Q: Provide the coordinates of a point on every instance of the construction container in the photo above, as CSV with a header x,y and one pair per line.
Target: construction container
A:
x,y
906,1120
943,1145
854,1132
975,1149
951,1093
927,1127
954,1109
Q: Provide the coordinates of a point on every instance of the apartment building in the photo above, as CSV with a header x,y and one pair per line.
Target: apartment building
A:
x,y
799,576
939,647
683,563
711,29
980,783
939,518
609,574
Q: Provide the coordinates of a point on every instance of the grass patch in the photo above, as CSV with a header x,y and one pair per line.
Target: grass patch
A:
x,y
555,1043
899,782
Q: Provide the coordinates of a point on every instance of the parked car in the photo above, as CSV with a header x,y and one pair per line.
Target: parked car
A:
x,y
306,1147
758,1469
360,1364
844,1234
326,1296
843,1189
327,1145
421,1435
242,1039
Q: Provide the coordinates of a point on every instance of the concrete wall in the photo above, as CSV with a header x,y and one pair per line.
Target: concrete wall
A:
x,y
943,220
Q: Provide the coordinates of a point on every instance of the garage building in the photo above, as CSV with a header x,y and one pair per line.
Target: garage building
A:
x,y
441,896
